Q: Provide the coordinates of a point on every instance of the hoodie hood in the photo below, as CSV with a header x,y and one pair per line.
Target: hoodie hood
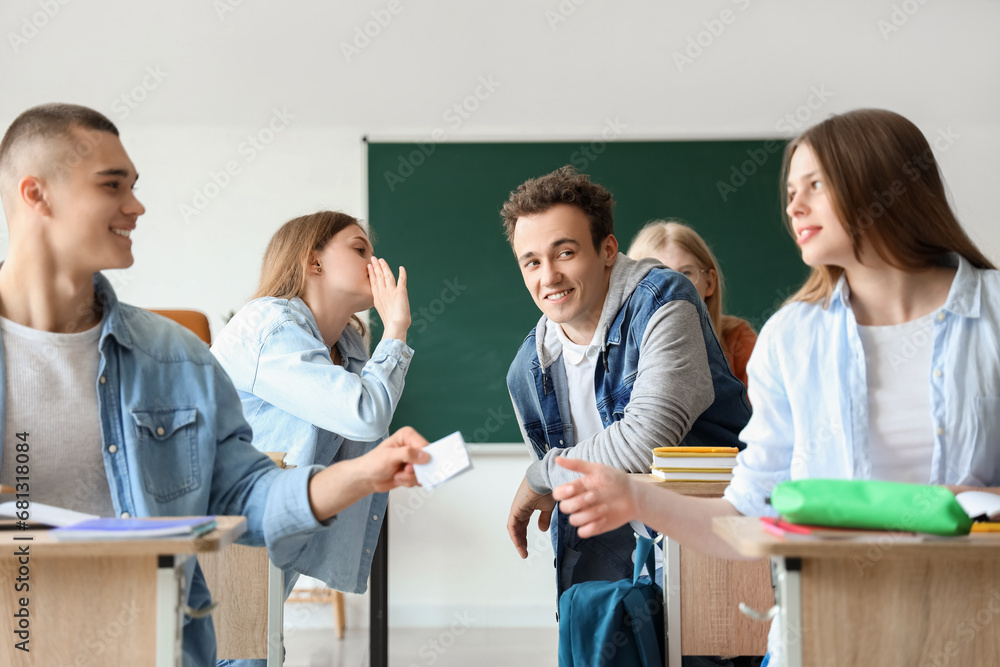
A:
x,y
626,273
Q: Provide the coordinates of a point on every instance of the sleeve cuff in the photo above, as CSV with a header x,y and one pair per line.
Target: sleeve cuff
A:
x,y
537,479
395,348
288,518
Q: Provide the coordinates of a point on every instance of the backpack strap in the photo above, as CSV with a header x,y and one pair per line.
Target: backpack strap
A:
x,y
644,555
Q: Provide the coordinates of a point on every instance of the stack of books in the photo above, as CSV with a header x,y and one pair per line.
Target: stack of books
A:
x,y
694,464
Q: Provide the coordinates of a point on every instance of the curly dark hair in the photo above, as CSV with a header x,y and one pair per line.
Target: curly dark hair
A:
x,y
565,185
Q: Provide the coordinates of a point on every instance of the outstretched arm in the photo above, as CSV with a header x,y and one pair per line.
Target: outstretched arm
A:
x,y
605,498
387,466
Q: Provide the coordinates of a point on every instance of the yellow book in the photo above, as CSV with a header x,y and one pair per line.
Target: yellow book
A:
x,y
695,457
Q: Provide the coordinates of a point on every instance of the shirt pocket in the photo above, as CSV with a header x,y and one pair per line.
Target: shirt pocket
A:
x,y
167,440
984,464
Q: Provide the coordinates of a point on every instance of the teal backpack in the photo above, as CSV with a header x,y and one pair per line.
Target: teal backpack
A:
x,y
614,623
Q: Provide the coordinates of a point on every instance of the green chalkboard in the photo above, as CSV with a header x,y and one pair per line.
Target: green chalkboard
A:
x,y
435,209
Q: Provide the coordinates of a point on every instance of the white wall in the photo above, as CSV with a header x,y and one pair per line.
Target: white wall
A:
x,y
219,78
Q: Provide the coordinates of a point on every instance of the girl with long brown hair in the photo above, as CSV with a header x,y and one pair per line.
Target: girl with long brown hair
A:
x,y
297,357
884,365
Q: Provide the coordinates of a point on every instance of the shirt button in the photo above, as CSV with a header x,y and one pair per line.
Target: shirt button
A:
x,y
940,316
940,431
125,515
159,430
112,449
368,551
374,517
937,373
103,379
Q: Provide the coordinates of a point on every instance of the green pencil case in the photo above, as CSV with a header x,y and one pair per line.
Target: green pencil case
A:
x,y
844,503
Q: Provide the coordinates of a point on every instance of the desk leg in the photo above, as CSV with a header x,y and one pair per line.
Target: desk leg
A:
x,y
379,615
788,597
169,610
672,601
275,615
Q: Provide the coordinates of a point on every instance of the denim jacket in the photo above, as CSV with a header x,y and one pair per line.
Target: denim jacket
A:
x,y
176,444
298,401
808,384
661,379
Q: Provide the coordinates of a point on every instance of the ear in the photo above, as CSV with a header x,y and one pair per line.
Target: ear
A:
x,y
609,250
712,279
314,264
31,192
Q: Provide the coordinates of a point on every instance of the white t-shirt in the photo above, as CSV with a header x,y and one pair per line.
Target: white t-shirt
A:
x,y
580,362
51,382
900,429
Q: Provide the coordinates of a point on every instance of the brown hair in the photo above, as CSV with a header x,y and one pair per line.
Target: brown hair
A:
x,y
565,185
884,185
47,122
289,254
659,234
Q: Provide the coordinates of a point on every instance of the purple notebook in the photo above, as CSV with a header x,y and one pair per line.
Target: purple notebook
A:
x,y
113,528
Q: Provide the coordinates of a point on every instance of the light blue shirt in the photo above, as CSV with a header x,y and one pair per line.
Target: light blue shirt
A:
x,y
175,443
298,401
808,387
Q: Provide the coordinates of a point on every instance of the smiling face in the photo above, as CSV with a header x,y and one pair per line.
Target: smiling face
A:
x,y
819,233
88,206
344,269
565,275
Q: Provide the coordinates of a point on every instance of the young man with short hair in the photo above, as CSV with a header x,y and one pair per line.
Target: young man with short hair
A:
x,y
623,359
125,400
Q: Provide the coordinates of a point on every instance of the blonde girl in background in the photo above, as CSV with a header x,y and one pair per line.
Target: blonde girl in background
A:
x,y
681,248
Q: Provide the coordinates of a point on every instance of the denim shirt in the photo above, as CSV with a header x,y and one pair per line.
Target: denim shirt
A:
x,y
541,401
298,401
808,386
175,443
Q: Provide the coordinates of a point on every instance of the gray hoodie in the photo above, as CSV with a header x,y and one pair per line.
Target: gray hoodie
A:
x,y
672,388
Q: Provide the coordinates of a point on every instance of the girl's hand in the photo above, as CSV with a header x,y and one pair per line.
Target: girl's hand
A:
x,y
392,303
602,500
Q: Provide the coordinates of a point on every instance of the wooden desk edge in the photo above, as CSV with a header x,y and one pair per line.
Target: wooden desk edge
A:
x,y
227,530
701,489
746,535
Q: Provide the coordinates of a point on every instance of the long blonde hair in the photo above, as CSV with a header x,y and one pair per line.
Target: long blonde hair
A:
x,y
657,235
289,254
884,184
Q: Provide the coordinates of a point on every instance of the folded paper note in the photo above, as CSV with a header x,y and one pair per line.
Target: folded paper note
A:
x,y
448,458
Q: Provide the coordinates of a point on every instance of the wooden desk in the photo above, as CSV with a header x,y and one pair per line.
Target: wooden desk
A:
x,y
250,590
884,602
701,594
100,603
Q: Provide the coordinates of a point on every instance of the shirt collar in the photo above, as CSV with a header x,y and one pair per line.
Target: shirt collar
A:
x,y
113,322
964,297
